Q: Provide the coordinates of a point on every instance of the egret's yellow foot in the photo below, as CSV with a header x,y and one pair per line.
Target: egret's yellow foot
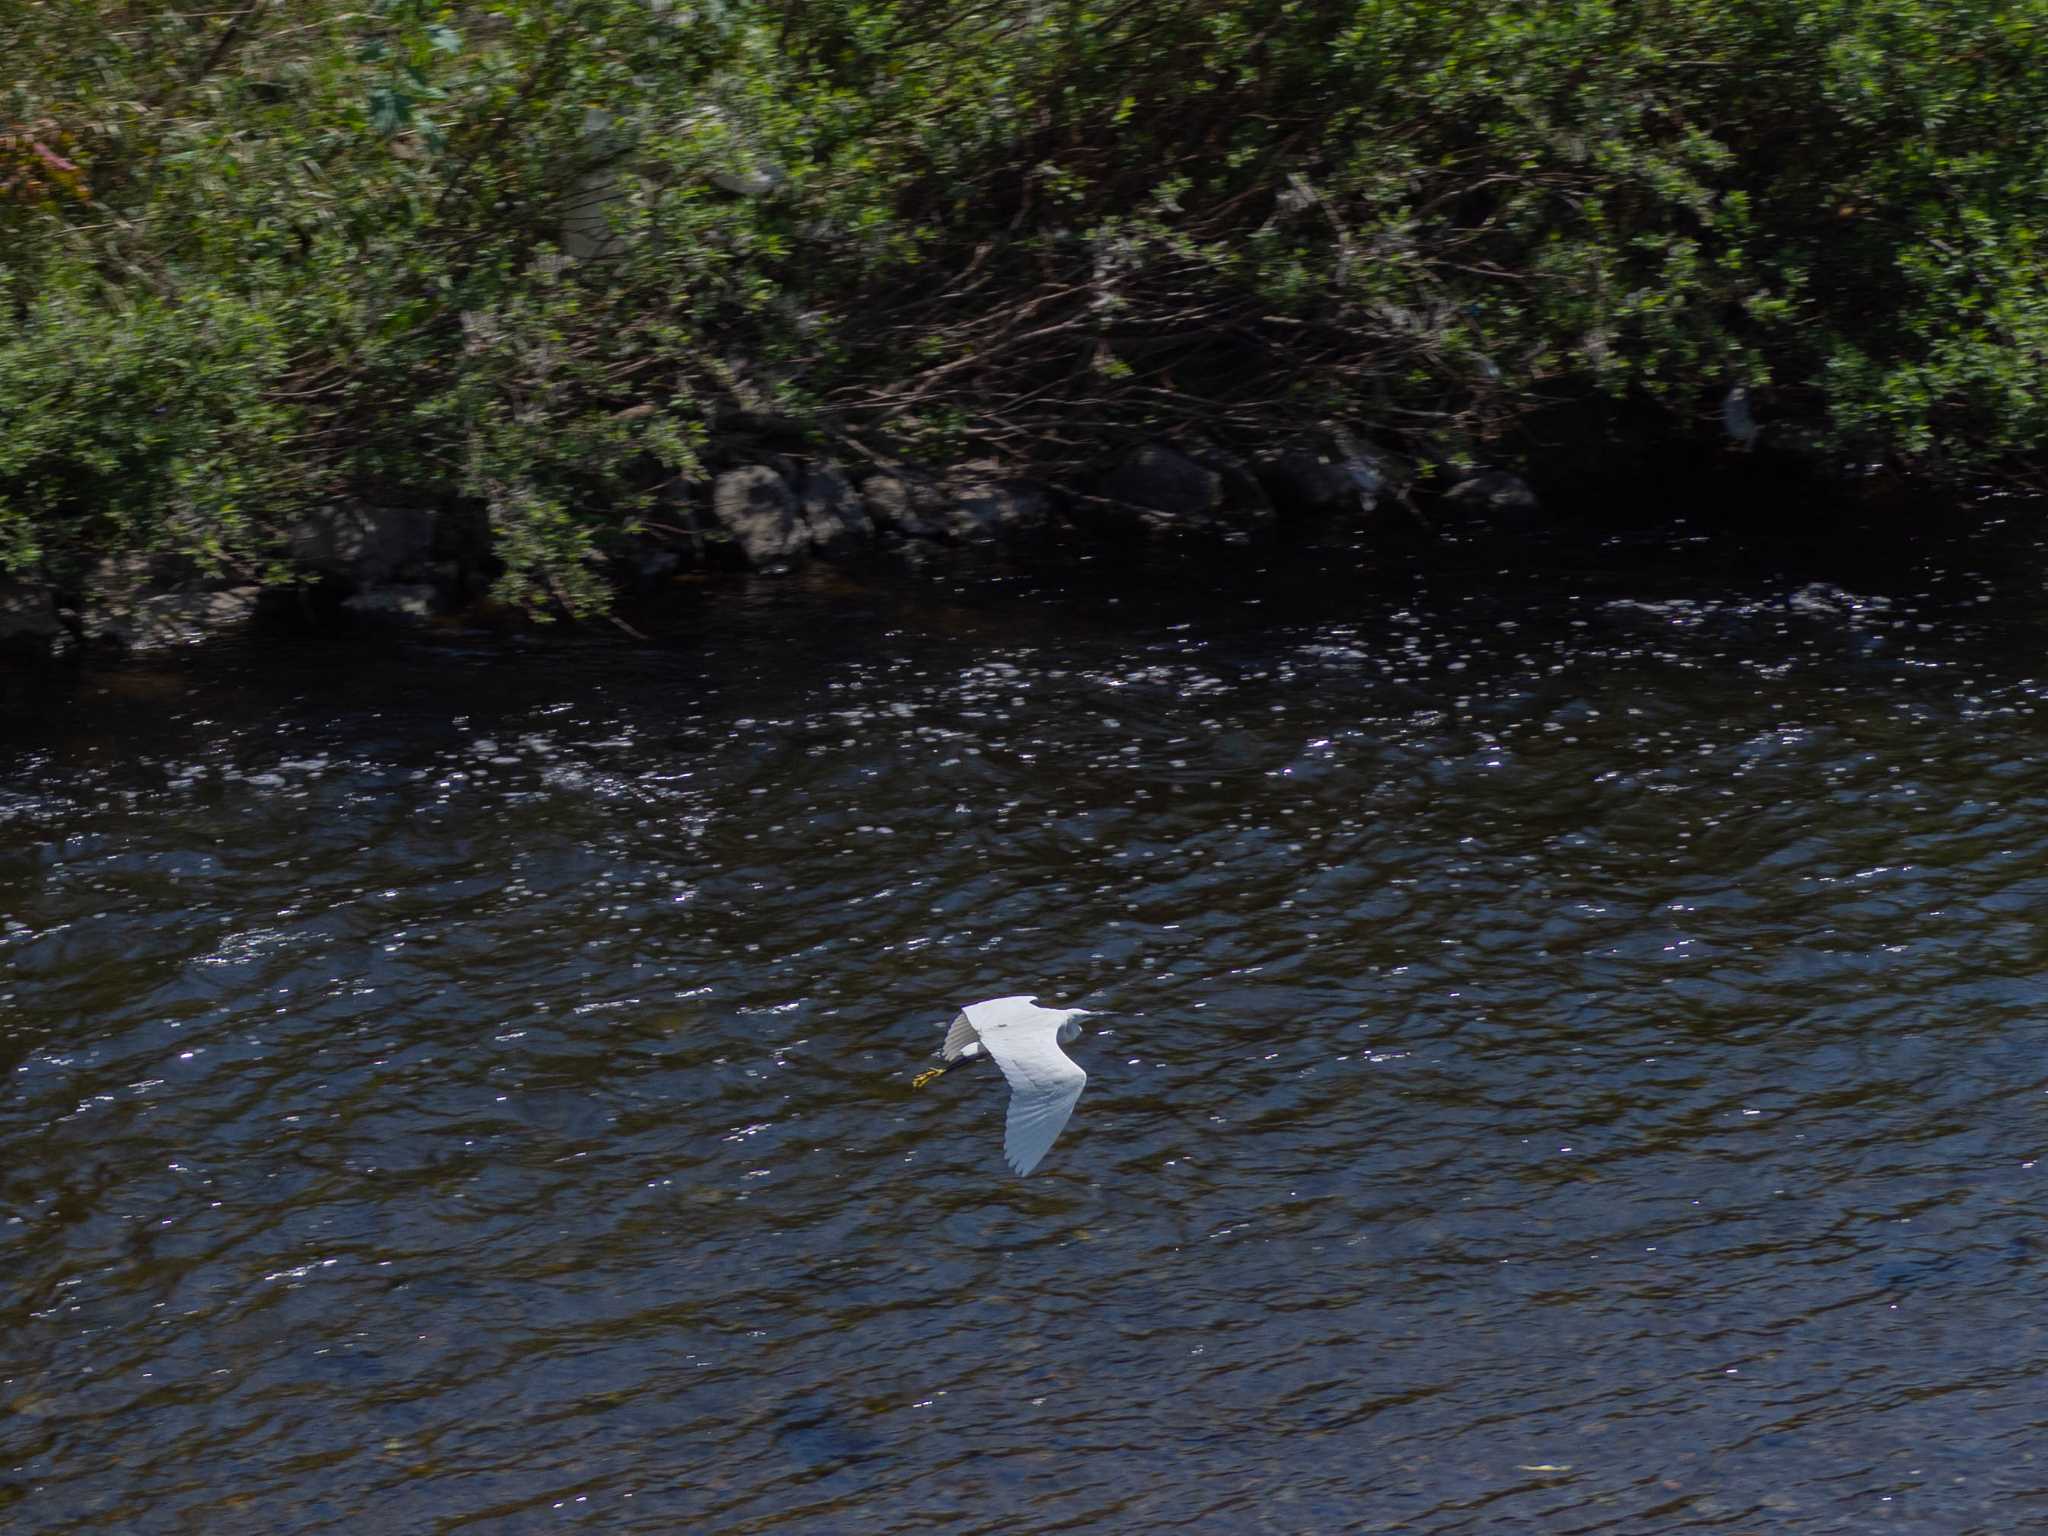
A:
x,y
924,1077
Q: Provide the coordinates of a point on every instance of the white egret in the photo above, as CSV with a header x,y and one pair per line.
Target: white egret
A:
x,y
1025,1041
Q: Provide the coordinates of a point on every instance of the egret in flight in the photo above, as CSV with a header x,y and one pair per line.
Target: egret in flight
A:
x,y
1025,1041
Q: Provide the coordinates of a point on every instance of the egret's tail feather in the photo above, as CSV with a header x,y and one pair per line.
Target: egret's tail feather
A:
x,y
926,1076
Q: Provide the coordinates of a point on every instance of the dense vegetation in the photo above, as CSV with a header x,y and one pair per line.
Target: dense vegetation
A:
x,y
528,256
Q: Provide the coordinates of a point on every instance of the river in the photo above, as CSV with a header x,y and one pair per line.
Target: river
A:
x,y
1571,1060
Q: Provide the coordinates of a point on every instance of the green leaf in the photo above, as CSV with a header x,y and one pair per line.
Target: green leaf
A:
x,y
390,110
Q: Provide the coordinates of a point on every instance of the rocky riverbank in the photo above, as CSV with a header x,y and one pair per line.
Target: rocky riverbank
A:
x,y
391,562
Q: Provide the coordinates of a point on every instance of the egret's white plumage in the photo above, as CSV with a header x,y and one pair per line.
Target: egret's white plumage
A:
x,y
1024,1039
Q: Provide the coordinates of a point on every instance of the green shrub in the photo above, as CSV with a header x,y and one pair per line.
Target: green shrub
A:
x,y
251,260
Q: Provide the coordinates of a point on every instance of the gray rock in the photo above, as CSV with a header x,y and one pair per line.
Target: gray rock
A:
x,y
362,544
407,603
1304,483
143,602
757,179
757,508
462,540
1495,491
28,615
983,512
1163,480
832,509
1169,492
906,503
160,620
137,575
1244,499
587,232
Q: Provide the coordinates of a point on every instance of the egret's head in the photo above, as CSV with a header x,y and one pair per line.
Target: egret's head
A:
x,y
1069,1030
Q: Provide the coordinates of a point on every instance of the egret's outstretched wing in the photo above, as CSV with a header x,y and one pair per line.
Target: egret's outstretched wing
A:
x,y
1039,1109
961,1040
1044,1084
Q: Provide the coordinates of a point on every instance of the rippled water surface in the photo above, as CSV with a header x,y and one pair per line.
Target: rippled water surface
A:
x,y
1573,1061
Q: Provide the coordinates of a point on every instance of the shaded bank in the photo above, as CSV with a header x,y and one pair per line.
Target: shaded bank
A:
x,y
1187,524
358,560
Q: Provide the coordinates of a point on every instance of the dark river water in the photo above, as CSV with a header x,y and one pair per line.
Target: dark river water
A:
x,y
1572,1060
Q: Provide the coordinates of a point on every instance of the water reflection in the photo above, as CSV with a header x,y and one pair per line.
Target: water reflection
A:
x,y
1576,1066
